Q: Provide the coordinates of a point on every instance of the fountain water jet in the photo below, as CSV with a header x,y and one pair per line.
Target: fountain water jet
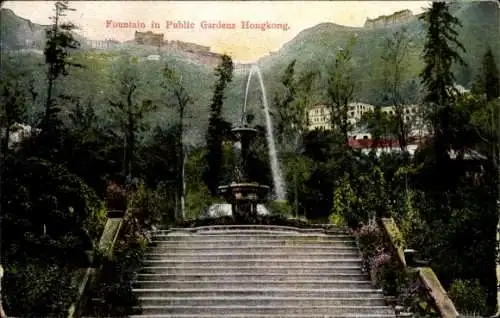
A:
x,y
273,156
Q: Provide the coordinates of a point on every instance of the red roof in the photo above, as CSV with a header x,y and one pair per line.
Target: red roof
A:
x,y
369,143
382,143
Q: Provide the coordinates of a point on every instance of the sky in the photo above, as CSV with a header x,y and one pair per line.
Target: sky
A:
x,y
193,21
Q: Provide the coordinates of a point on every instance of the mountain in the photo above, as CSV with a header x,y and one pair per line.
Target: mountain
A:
x,y
19,33
315,48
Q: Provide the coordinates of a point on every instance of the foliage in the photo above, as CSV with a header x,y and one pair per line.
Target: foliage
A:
x,y
60,41
344,200
341,88
439,55
217,127
127,111
114,287
148,207
297,170
38,289
281,208
468,296
394,59
369,238
291,107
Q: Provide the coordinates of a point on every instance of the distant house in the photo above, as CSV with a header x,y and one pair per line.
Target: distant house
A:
x,y
153,57
319,115
18,133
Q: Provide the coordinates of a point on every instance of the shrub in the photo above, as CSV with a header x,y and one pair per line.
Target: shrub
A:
x,y
147,206
281,208
38,289
468,296
370,239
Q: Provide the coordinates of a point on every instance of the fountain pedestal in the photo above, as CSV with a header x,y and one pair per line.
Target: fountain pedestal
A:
x,y
242,194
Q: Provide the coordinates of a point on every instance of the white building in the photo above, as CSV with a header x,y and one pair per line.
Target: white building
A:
x,y
18,132
414,118
357,110
319,114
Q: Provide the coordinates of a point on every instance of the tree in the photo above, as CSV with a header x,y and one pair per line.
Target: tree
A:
x,y
182,99
59,41
437,78
11,110
293,105
341,89
128,110
217,125
396,51
488,82
381,125
293,119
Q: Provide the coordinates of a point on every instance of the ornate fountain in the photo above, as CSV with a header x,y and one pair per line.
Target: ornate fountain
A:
x,y
244,195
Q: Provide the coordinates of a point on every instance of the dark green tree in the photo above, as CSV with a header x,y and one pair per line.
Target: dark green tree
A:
x,y
217,125
394,57
60,41
182,101
341,89
440,52
128,109
488,82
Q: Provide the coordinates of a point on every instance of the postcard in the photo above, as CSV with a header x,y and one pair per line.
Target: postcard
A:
x,y
249,158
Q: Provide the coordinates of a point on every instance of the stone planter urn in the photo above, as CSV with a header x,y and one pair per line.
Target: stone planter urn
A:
x,y
116,200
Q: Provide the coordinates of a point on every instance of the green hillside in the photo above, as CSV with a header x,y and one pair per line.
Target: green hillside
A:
x,y
314,49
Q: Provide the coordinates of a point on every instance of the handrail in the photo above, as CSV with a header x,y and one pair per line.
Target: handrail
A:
x,y
436,294
106,244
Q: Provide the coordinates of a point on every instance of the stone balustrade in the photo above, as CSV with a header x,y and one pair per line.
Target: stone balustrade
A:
x,y
434,296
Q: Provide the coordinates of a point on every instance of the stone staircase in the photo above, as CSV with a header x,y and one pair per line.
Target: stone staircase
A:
x,y
256,271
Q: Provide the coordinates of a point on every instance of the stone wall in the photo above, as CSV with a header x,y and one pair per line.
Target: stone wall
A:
x,y
186,46
384,21
149,38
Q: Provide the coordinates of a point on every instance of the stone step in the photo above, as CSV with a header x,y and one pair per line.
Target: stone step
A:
x,y
270,292
253,248
265,316
254,284
255,228
209,244
282,310
261,301
270,256
316,263
250,277
251,237
269,269
255,272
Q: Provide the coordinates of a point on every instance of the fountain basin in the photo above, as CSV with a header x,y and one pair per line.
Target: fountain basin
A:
x,y
244,131
253,192
226,209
